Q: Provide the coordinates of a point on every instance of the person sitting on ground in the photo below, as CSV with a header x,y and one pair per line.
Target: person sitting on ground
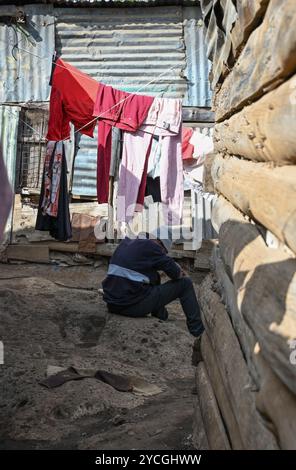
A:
x,y
132,286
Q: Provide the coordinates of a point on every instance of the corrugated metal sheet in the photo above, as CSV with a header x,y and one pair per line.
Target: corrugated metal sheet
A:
x,y
85,173
26,79
126,48
9,116
198,66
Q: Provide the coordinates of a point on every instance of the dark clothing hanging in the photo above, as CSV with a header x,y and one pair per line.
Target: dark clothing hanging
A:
x,y
153,188
59,227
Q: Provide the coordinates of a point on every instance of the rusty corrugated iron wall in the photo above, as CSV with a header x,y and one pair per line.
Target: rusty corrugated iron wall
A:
x,y
9,119
128,49
123,47
25,55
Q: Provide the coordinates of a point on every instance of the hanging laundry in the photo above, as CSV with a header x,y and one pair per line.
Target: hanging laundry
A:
x,y
153,188
153,170
52,178
6,195
163,120
58,225
187,147
132,175
194,169
164,117
120,109
72,99
203,145
116,151
193,174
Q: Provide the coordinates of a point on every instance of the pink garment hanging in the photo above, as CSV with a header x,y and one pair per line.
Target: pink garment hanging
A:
x,y
131,187
123,110
164,119
187,147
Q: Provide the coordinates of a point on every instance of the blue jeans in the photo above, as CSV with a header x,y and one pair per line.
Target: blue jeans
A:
x,y
163,294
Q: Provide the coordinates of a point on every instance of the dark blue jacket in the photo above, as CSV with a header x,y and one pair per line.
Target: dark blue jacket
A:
x,y
138,257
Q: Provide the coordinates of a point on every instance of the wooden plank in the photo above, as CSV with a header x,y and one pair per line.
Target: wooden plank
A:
x,y
221,394
262,192
208,184
229,15
196,114
199,438
250,13
263,131
197,217
269,56
214,427
202,261
276,402
223,57
107,249
228,294
265,280
33,254
215,37
234,370
206,7
10,11
220,66
89,208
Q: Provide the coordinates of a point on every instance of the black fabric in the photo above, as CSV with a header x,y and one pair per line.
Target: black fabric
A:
x,y
59,227
143,256
162,295
153,188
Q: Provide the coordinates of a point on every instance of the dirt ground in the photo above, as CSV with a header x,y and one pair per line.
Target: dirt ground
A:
x,y
54,316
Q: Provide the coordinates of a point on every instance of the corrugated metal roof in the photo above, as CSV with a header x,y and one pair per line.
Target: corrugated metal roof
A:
x,y
26,79
85,168
126,48
9,117
197,64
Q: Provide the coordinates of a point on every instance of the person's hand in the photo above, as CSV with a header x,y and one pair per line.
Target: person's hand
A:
x,y
183,273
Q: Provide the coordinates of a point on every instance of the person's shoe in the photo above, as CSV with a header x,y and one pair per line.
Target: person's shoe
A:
x,y
162,314
196,351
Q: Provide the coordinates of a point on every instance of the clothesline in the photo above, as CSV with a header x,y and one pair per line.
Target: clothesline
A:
x,y
90,78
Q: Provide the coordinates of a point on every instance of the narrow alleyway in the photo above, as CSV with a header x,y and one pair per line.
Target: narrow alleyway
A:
x,y
55,316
